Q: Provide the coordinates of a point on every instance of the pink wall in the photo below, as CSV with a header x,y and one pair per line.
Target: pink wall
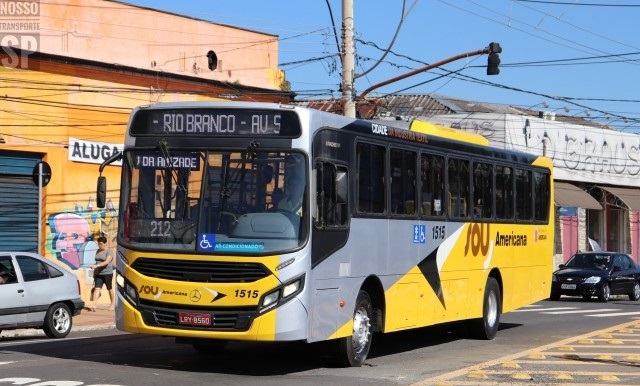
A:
x,y
569,236
118,33
635,236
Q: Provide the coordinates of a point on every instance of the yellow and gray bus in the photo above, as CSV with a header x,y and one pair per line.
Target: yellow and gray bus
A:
x,y
396,225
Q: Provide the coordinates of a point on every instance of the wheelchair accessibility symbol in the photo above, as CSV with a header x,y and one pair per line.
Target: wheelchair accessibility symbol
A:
x,y
207,241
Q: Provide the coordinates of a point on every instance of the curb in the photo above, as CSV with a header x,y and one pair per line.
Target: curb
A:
x,y
38,332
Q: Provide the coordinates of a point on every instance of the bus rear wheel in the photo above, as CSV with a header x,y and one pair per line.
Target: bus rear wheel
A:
x,y
354,349
486,327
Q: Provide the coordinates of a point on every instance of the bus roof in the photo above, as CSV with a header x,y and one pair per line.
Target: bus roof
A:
x,y
447,132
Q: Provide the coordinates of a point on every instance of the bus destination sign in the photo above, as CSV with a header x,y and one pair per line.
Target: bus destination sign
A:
x,y
178,160
216,122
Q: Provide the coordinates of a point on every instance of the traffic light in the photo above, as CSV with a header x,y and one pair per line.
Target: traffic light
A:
x,y
494,59
213,60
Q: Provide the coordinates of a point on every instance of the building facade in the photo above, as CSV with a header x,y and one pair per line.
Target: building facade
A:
x,y
68,86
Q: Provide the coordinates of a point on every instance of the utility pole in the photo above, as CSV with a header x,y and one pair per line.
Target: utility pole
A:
x,y
348,60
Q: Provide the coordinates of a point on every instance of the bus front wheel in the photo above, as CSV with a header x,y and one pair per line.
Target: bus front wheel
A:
x,y
486,327
353,349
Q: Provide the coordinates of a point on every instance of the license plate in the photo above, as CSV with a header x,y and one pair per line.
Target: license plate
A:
x,y
194,319
568,286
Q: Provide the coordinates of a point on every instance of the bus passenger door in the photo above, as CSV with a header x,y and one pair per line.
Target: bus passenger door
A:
x,y
331,212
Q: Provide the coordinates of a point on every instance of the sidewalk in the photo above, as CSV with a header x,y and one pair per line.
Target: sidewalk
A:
x,y
101,319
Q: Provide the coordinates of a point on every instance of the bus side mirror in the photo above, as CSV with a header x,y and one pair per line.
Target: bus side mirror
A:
x,y
101,194
341,187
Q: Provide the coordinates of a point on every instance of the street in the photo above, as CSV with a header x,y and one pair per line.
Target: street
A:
x,y
547,331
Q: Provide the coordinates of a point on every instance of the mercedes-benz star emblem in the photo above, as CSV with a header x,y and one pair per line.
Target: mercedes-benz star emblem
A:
x,y
195,296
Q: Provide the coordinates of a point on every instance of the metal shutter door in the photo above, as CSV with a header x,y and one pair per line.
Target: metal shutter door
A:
x,y
18,202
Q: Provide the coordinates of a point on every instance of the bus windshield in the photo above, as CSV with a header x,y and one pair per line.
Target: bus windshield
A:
x,y
226,202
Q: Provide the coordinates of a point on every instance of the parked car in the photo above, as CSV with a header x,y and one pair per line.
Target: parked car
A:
x,y
37,293
600,274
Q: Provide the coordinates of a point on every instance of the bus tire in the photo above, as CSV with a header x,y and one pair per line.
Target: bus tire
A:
x,y
354,349
486,327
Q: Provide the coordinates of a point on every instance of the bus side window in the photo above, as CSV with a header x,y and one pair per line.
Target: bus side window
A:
x,y
524,198
403,181
370,178
432,184
482,190
331,206
504,192
541,198
458,173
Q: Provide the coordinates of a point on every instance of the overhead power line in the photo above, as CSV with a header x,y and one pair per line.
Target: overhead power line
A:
x,y
576,4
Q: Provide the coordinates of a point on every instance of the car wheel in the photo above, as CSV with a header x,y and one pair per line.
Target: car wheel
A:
x,y
555,296
486,327
354,349
604,293
635,294
58,321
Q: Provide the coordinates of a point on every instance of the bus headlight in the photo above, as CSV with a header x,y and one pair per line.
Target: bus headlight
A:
x,y
290,289
119,280
129,291
281,294
270,299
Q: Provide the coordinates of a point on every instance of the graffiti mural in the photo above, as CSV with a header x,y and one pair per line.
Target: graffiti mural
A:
x,y
73,233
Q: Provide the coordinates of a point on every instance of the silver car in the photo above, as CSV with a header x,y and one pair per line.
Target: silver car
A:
x,y
37,293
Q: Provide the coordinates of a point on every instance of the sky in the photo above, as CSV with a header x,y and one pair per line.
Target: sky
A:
x,y
572,57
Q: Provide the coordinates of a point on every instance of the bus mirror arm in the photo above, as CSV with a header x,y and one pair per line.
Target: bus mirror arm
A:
x,y
114,157
101,193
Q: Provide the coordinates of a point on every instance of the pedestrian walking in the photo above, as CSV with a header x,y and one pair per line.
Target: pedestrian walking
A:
x,y
102,274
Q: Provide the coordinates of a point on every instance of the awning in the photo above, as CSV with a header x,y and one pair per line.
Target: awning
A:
x,y
631,197
567,194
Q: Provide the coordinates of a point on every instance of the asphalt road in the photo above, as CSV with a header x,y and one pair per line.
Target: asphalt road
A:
x,y
570,341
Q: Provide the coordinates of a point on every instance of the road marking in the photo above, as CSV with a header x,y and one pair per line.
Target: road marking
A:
x,y
15,341
580,311
546,309
552,349
617,314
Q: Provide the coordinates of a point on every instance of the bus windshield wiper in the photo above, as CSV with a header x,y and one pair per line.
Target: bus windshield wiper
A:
x,y
229,185
169,168
247,157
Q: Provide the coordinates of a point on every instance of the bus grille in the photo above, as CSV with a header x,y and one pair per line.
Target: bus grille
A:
x,y
201,271
222,320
